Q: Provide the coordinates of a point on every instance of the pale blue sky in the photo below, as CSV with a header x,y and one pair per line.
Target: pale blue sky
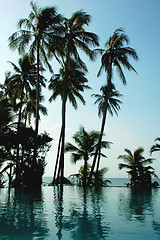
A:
x,y
138,121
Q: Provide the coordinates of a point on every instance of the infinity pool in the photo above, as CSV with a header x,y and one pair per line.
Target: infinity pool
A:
x,y
71,213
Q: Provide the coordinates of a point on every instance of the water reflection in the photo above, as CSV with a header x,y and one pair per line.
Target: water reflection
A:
x,y
83,218
22,215
74,213
156,208
58,202
136,205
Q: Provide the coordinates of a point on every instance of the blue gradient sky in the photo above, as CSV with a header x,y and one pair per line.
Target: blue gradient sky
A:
x,y
138,123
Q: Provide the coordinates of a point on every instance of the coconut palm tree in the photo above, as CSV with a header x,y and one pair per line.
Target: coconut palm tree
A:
x,y
155,147
29,107
6,113
115,55
37,30
86,143
18,85
76,83
75,36
135,163
108,102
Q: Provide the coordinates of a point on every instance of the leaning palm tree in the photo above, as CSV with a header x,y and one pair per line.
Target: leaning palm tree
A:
x,y
84,149
134,163
76,83
108,102
37,29
115,55
75,36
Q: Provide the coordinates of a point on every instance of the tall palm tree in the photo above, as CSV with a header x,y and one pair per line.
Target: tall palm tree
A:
x,y
37,30
76,83
86,143
75,36
18,85
134,163
108,102
115,55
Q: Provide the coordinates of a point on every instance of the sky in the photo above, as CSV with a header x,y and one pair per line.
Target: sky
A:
x,y
137,124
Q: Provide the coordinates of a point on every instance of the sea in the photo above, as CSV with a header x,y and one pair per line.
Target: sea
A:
x,y
114,182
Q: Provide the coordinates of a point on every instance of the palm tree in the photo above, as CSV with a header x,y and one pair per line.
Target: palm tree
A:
x,y
18,85
29,107
155,147
135,163
107,102
115,55
75,36
6,113
37,29
86,143
7,116
99,177
76,83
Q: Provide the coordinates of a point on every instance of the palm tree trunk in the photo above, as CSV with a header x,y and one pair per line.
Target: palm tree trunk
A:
x,y
109,77
37,106
61,164
64,100
85,173
18,132
98,161
99,144
57,159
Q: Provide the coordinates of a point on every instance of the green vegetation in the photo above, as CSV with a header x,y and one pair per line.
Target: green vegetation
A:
x,y
138,169
86,143
41,36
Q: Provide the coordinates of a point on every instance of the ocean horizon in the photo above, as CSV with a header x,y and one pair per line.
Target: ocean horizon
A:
x,y
115,182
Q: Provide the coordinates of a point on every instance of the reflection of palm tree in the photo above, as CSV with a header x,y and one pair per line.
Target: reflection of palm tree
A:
x,y
23,215
58,200
135,164
86,221
86,143
135,204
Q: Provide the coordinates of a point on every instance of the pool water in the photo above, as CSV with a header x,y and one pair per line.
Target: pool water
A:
x,y
72,213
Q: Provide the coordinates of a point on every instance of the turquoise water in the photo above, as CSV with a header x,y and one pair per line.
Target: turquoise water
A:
x,y
72,213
